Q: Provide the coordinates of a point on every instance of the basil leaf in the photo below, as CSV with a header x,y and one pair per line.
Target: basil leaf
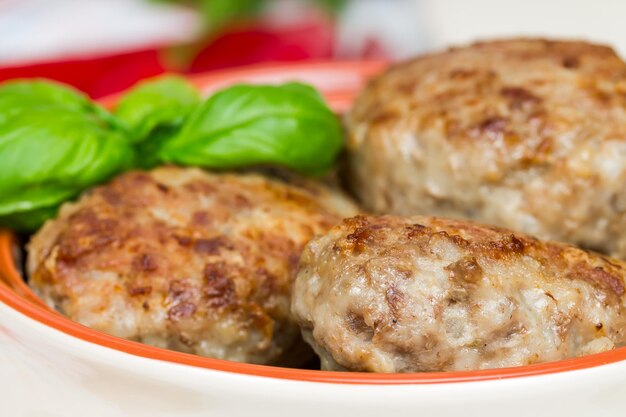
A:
x,y
147,151
19,96
28,220
26,95
162,102
287,125
49,155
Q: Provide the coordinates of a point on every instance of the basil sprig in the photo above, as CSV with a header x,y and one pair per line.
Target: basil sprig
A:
x,y
55,142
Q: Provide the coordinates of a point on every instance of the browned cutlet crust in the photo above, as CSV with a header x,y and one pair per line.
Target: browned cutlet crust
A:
x,y
527,134
392,294
185,259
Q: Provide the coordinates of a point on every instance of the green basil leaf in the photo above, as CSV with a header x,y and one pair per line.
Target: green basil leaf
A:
x,y
49,155
18,96
28,220
21,95
147,151
287,125
157,103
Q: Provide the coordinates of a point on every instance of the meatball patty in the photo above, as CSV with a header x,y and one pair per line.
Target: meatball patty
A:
x,y
525,134
184,259
391,294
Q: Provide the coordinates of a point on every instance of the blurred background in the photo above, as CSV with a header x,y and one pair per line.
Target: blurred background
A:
x,y
104,46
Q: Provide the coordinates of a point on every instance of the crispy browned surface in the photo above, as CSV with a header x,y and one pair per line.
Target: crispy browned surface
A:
x,y
526,134
391,294
184,259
